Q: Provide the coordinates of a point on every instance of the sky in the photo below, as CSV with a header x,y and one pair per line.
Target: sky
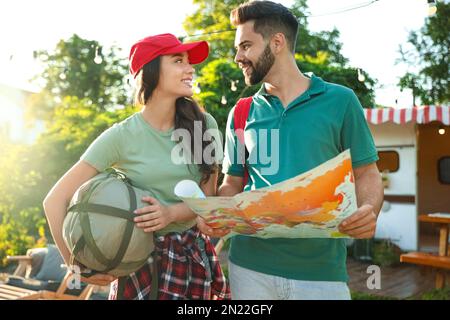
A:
x,y
371,35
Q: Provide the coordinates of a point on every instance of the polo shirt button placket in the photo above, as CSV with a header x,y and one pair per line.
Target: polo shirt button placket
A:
x,y
283,115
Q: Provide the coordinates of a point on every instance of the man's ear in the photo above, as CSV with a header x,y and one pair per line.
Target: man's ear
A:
x,y
278,42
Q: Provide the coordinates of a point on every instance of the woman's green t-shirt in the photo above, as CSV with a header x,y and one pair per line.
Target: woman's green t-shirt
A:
x,y
148,158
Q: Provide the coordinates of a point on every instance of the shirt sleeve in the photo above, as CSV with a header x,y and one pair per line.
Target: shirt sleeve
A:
x,y
104,151
213,129
234,150
356,135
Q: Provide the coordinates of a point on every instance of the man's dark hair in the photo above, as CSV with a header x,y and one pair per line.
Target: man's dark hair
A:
x,y
269,17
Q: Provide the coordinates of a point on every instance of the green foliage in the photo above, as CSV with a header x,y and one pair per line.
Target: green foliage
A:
x,y
366,296
215,81
20,232
386,254
430,53
437,294
345,76
76,124
71,70
213,16
17,181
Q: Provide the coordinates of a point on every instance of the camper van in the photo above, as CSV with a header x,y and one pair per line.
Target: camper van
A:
x,y
414,150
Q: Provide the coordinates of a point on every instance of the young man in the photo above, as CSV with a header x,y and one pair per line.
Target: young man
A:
x,y
315,121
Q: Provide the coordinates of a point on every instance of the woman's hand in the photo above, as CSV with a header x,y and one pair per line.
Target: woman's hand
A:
x,y
99,279
153,217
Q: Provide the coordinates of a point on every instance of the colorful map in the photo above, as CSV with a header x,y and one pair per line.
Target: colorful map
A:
x,y
310,205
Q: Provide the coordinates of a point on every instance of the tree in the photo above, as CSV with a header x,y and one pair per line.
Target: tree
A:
x,y
430,53
80,68
212,21
216,83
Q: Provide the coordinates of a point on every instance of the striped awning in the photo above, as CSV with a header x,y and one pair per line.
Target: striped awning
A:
x,y
418,114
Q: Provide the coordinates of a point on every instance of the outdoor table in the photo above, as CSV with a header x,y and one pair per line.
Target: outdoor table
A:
x,y
444,221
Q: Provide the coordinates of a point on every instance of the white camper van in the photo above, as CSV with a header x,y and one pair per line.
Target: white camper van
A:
x,y
414,150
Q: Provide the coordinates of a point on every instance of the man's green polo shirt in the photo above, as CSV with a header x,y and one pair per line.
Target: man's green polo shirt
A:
x,y
318,125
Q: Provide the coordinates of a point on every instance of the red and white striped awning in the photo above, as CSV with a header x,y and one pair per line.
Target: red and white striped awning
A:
x,y
421,114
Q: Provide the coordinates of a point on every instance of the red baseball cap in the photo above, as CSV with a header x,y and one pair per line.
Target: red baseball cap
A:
x,y
147,49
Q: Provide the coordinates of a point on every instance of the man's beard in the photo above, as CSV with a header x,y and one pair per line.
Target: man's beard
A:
x,y
262,67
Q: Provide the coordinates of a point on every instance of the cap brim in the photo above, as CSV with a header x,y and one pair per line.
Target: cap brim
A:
x,y
197,51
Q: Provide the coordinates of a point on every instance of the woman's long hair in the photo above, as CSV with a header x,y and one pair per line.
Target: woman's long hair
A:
x,y
187,111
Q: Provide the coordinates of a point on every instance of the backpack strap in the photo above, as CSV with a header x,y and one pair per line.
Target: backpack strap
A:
x,y
241,112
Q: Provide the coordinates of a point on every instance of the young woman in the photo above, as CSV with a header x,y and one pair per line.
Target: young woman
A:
x,y
142,147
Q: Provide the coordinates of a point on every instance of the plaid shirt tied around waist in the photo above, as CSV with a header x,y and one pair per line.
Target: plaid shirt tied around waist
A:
x,y
188,269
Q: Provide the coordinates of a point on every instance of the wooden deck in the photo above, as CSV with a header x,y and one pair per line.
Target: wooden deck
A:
x,y
401,282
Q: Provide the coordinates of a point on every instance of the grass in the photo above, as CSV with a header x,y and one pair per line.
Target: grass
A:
x,y
366,296
437,294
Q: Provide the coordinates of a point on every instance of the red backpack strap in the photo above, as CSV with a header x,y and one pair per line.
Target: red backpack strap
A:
x,y
241,112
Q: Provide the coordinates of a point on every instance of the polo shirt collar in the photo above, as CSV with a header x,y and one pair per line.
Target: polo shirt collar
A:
x,y
316,86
